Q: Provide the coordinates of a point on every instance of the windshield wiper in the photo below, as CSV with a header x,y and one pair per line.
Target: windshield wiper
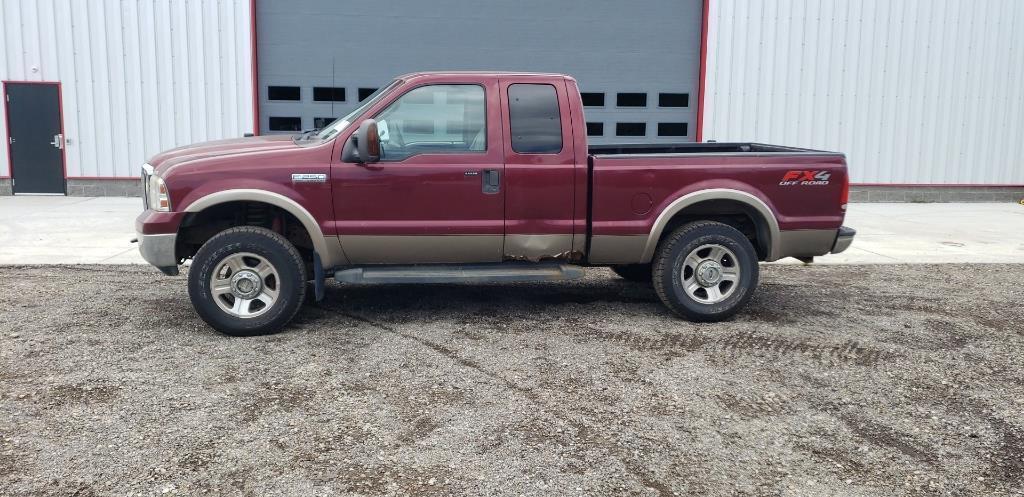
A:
x,y
306,134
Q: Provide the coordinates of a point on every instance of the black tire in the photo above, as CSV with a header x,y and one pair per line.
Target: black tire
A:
x,y
670,266
289,282
640,273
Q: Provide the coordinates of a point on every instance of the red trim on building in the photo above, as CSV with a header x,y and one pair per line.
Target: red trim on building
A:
x,y
703,69
64,137
7,127
255,69
133,178
60,115
32,82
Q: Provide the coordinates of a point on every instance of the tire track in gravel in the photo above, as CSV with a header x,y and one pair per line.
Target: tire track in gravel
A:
x,y
885,436
642,475
1006,459
850,352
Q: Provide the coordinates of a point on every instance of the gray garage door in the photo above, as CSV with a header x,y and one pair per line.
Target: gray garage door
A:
x,y
636,62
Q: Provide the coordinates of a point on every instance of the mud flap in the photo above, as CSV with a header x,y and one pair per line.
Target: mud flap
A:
x,y
319,288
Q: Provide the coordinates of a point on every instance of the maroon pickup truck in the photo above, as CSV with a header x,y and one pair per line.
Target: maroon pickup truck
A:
x,y
479,177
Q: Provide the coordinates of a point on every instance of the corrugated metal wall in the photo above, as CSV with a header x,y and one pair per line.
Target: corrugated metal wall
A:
x,y
914,91
137,77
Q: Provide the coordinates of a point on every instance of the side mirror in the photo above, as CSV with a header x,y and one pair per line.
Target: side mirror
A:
x,y
363,147
368,141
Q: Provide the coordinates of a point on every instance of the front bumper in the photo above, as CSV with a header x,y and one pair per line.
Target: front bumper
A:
x,y
158,250
157,235
844,237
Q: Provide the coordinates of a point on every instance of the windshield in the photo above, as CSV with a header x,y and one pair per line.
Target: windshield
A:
x,y
338,125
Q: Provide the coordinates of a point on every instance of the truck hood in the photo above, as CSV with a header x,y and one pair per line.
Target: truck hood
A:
x,y
218,148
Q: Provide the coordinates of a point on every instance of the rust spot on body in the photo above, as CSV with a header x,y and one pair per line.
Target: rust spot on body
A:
x,y
568,255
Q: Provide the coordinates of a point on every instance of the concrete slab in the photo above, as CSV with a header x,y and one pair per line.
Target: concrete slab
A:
x,y
68,230
935,233
97,230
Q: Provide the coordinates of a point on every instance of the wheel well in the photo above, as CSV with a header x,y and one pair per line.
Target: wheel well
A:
x,y
198,227
739,215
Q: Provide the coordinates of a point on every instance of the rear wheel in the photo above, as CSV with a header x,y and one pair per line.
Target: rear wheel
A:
x,y
640,273
705,271
247,281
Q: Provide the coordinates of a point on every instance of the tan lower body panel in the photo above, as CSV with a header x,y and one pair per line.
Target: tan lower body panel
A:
x,y
539,247
629,249
427,249
334,256
617,249
421,249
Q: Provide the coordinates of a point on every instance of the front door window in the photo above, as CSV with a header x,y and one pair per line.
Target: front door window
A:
x,y
434,119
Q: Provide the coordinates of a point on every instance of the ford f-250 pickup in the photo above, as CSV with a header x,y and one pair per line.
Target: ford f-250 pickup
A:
x,y
479,177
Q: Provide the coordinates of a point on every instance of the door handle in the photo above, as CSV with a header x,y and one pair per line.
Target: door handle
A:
x,y
491,181
58,141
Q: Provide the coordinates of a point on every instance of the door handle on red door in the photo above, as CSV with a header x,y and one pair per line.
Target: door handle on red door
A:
x,y
491,181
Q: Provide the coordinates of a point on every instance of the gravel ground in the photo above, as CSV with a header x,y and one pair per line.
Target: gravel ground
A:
x,y
849,380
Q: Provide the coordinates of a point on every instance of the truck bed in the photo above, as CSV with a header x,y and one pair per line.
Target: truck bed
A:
x,y
700,149
632,185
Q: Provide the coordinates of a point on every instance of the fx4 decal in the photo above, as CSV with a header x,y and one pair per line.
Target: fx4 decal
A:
x,y
805,178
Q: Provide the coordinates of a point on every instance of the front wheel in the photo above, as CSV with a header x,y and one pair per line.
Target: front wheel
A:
x,y
705,271
247,281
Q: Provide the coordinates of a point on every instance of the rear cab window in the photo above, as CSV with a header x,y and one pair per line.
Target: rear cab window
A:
x,y
534,118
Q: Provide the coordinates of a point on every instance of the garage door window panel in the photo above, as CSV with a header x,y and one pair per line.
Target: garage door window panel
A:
x,y
284,93
434,119
285,123
631,100
365,93
328,94
592,99
673,100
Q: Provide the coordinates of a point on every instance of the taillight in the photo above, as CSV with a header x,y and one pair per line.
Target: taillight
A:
x,y
845,197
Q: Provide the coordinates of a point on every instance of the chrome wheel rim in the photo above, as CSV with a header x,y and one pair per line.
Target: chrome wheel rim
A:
x,y
710,273
245,285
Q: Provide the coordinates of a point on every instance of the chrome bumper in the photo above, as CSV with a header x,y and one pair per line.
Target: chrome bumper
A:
x,y
158,250
843,239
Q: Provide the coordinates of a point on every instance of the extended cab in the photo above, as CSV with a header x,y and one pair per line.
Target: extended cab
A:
x,y
468,177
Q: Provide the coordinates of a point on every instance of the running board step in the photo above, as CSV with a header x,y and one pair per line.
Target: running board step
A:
x,y
462,273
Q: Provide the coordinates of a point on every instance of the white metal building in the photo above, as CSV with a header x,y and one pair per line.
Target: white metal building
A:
x,y
924,96
915,92
134,77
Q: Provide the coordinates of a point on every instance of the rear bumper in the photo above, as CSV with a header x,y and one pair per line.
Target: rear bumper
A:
x,y
811,243
844,237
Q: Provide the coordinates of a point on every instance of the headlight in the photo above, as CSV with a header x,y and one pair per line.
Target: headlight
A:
x,y
159,199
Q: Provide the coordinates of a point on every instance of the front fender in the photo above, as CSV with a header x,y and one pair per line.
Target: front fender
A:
x,y
328,247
